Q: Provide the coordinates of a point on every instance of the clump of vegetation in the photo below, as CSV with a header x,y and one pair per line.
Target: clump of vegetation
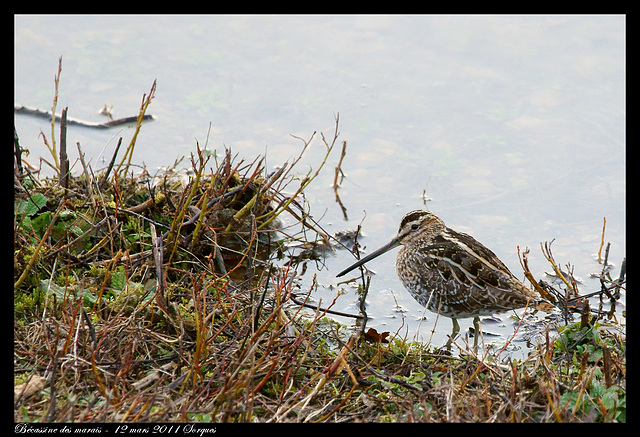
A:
x,y
169,298
127,283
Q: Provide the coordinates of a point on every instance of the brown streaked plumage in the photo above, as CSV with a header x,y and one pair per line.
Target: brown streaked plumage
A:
x,y
450,272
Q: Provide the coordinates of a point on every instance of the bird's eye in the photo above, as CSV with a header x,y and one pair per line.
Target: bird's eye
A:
x,y
414,226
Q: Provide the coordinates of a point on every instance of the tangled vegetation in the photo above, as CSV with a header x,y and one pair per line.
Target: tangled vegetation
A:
x,y
164,298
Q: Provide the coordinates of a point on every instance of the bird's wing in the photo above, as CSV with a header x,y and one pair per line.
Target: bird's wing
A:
x,y
456,254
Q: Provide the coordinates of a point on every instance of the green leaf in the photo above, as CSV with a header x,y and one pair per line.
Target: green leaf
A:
x,y
609,399
119,279
67,215
60,292
31,206
568,400
41,223
597,389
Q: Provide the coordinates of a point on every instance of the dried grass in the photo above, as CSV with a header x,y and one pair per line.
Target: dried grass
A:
x,y
154,299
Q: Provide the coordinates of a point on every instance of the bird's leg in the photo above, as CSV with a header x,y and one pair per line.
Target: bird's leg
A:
x,y
476,329
454,332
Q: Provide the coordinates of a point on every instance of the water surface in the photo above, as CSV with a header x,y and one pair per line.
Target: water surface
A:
x,y
510,128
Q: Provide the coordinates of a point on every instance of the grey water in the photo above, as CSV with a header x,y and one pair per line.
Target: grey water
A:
x,y
510,127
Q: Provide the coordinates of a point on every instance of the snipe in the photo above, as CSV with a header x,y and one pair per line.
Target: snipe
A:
x,y
451,273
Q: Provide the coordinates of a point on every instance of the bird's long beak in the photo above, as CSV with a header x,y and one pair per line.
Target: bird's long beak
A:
x,y
387,247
